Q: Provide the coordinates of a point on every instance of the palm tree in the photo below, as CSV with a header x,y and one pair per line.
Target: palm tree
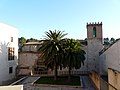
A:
x,y
51,48
73,55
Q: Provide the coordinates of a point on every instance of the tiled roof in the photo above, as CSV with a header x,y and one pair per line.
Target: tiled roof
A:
x,y
33,43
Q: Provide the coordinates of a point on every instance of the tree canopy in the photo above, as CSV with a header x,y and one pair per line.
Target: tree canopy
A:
x,y
51,48
58,51
74,56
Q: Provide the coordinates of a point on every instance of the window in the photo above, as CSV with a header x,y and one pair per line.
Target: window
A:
x,y
11,39
11,52
10,70
94,31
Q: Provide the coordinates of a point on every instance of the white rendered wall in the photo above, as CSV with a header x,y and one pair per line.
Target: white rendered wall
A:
x,y
110,58
7,32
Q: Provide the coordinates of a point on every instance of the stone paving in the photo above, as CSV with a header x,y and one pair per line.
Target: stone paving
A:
x,y
87,85
28,81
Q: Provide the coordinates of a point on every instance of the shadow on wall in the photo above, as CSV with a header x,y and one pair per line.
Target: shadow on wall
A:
x,y
7,76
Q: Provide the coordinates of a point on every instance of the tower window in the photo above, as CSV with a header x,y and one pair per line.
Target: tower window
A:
x,y
94,31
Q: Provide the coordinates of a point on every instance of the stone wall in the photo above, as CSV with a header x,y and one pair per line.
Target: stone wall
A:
x,y
26,62
98,30
93,48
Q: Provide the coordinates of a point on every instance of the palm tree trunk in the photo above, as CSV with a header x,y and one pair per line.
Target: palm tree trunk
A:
x,y
55,70
69,72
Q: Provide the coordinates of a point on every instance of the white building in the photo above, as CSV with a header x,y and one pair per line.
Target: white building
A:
x,y
8,52
110,58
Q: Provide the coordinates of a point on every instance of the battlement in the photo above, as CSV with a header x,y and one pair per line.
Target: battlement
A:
x,y
94,23
94,31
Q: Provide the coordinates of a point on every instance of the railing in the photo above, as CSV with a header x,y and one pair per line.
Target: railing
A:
x,y
75,72
17,82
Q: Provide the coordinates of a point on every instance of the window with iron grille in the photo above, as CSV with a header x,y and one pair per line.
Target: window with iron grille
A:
x,y
11,52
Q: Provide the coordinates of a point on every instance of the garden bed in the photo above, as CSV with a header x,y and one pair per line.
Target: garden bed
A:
x,y
61,80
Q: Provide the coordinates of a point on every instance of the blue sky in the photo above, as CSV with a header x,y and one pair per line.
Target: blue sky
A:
x,y
34,17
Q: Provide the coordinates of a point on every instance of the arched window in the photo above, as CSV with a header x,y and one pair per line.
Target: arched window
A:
x,y
94,31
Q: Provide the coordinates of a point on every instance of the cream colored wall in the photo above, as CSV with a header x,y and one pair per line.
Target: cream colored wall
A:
x,y
114,78
27,59
15,87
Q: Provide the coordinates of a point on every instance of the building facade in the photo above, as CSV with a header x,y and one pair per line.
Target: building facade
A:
x,y
8,52
29,61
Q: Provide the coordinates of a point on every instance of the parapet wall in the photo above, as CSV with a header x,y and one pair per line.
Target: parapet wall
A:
x,y
94,23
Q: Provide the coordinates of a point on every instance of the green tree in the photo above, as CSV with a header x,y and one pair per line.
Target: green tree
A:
x,y
32,40
106,41
112,40
21,41
73,55
51,48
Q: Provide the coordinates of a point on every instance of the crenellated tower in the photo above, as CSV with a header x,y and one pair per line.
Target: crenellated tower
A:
x,y
94,40
94,31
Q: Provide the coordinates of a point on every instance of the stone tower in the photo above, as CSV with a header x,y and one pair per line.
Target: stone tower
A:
x,y
94,40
